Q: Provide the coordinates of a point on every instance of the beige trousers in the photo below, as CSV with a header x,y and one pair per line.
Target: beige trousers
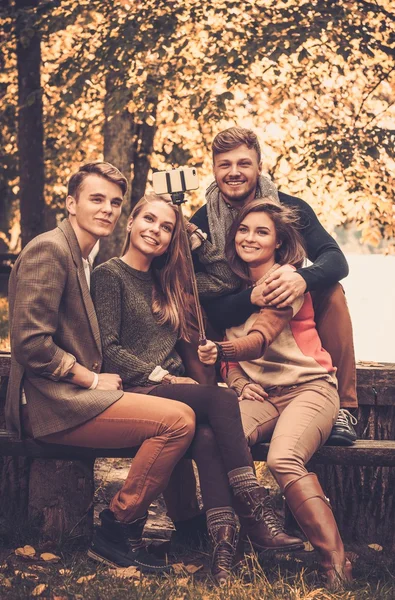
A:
x,y
297,419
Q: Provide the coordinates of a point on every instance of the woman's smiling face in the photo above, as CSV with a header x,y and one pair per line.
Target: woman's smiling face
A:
x,y
256,239
152,229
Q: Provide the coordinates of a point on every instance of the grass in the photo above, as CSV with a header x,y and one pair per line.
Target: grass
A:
x,y
272,577
282,576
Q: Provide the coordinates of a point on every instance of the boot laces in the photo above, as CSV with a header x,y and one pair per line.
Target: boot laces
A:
x,y
223,556
265,511
344,418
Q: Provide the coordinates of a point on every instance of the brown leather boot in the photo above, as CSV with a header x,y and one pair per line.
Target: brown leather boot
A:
x,y
224,544
260,524
312,511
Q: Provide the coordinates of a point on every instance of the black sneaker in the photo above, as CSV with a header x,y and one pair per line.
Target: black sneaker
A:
x,y
343,432
120,554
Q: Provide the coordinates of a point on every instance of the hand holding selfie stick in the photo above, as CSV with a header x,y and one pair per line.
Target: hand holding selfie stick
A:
x,y
178,198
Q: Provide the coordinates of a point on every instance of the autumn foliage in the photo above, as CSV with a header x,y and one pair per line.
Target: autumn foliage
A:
x,y
148,84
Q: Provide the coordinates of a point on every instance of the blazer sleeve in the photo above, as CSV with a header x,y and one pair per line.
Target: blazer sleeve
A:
x,y
40,279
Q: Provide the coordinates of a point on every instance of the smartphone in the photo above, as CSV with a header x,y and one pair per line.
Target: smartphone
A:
x,y
176,180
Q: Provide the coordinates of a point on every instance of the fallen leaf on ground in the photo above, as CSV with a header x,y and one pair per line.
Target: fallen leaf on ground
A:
x,y
65,571
184,581
37,568
60,598
39,589
308,547
32,576
49,557
376,547
6,583
25,552
193,568
86,578
178,568
127,573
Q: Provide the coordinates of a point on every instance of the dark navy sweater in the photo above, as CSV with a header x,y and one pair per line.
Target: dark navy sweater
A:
x,y
329,265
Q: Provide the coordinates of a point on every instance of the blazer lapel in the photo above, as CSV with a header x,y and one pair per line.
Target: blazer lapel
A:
x,y
86,296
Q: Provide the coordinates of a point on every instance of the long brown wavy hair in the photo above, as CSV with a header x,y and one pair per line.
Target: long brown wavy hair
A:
x,y
170,273
286,222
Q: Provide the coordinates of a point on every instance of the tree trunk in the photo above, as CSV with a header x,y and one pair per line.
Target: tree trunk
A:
x,y
61,499
30,122
118,133
14,486
142,162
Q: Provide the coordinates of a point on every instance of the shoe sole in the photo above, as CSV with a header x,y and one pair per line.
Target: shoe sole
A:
x,y
293,548
101,559
143,568
335,440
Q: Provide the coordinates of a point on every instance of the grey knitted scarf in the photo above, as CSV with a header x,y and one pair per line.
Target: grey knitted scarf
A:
x,y
221,215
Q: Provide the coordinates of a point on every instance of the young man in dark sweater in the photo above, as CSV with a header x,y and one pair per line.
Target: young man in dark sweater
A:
x,y
237,170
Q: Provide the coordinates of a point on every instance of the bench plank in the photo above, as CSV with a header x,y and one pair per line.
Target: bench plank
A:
x,y
363,453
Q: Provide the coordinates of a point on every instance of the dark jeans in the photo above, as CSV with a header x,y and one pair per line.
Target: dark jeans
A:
x,y
219,445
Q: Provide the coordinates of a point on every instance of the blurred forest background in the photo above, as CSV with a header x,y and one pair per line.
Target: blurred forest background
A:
x,y
148,84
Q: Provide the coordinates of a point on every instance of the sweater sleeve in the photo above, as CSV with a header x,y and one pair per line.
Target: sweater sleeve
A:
x,y
234,376
217,277
268,325
329,263
106,289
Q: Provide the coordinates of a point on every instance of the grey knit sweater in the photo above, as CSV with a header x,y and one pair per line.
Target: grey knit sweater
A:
x,y
133,341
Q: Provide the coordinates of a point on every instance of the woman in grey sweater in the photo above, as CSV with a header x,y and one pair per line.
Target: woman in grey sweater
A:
x,y
141,314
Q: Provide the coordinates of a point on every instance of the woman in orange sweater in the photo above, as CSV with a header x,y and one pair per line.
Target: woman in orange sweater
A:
x,y
284,378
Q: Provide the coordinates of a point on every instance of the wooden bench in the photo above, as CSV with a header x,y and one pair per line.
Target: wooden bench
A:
x,y
359,480
372,453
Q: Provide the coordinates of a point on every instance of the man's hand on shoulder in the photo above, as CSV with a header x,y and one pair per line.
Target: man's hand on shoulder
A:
x,y
283,287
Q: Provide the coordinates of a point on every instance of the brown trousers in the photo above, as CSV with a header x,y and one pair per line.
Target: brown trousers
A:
x,y
162,428
334,326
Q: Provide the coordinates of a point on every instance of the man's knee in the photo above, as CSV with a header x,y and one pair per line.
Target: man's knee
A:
x,y
182,421
332,298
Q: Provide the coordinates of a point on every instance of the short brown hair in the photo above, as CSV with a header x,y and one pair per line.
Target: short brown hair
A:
x,y
232,138
286,222
103,169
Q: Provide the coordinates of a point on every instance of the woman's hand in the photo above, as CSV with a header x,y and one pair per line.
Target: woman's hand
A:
x,y
253,391
208,353
188,380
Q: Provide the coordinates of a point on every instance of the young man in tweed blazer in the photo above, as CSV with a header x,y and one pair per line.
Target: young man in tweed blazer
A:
x,y
56,392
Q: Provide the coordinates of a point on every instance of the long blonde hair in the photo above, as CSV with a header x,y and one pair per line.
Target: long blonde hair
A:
x,y
170,273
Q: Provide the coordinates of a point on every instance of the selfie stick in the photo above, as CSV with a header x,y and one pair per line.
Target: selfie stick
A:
x,y
178,198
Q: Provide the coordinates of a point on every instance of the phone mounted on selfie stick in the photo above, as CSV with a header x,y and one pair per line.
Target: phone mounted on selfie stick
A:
x,y
175,183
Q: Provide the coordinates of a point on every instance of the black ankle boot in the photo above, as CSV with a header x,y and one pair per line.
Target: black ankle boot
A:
x,y
121,545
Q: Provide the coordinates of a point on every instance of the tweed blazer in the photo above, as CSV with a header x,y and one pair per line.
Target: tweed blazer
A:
x,y
51,313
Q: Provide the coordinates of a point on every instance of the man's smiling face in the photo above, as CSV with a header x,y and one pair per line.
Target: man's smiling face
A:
x,y
236,173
